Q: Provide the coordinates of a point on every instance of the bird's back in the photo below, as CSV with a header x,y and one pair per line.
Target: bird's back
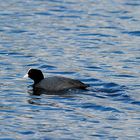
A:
x,y
58,83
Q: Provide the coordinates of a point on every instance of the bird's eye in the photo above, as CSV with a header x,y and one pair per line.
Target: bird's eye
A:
x,y
29,72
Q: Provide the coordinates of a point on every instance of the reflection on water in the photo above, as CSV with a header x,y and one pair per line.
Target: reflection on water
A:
x,y
96,42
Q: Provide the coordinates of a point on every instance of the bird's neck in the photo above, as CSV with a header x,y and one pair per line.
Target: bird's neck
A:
x,y
36,81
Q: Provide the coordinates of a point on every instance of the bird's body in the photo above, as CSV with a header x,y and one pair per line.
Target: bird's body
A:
x,y
58,83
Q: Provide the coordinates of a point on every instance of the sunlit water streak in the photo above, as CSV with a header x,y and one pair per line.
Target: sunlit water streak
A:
x,y
93,41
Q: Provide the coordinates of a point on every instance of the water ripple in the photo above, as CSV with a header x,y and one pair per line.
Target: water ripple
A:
x,y
133,33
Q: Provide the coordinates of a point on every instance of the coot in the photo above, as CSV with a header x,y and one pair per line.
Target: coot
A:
x,y
55,83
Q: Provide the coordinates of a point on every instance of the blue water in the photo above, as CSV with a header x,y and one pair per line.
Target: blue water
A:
x,y
95,41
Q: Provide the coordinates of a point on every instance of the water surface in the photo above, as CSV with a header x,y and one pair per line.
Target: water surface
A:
x,y
93,41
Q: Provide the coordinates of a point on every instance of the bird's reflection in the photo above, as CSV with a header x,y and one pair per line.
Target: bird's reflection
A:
x,y
35,94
